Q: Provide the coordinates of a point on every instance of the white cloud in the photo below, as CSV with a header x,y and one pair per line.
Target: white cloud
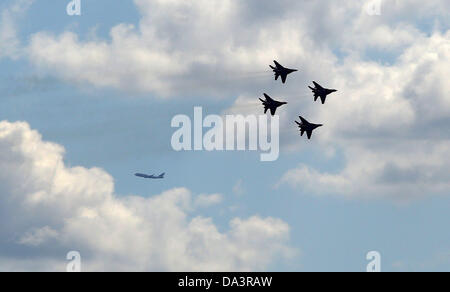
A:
x,y
9,42
204,201
38,236
52,209
219,47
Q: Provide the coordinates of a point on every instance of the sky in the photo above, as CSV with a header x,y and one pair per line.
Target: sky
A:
x,y
87,101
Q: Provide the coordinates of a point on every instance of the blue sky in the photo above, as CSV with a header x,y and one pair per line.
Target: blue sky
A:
x,y
126,130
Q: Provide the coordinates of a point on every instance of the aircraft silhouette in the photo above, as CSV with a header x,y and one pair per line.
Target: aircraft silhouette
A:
x,y
161,176
281,71
307,127
321,92
271,104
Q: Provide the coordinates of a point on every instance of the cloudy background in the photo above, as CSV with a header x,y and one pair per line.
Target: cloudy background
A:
x,y
86,101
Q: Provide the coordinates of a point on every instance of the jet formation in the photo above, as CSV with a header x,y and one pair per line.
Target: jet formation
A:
x,y
272,105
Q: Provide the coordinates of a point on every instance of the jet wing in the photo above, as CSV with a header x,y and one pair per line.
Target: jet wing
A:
x,y
278,65
268,98
309,133
305,122
323,98
283,78
317,85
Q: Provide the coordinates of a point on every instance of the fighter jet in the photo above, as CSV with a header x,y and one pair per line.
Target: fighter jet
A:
x,y
161,176
281,71
307,127
321,92
271,104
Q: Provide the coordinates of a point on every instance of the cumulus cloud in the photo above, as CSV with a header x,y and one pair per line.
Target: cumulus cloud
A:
x,y
220,47
52,209
419,171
